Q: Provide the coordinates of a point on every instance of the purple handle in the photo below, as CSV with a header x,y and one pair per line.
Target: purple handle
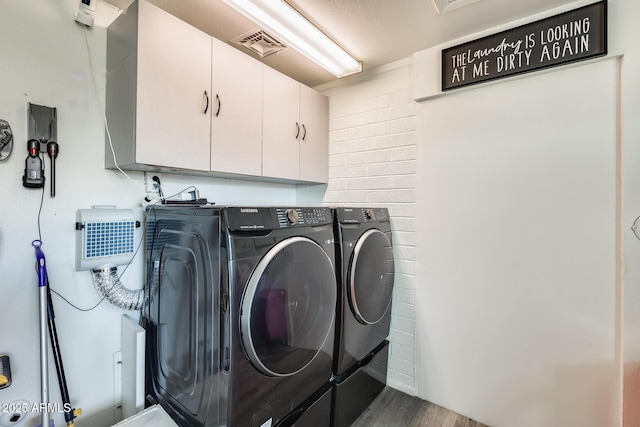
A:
x,y
42,270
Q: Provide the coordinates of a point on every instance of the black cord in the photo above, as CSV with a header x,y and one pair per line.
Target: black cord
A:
x,y
75,306
40,238
69,302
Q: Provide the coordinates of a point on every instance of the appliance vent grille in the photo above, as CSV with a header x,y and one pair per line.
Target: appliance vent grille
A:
x,y
259,42
109,238
104,237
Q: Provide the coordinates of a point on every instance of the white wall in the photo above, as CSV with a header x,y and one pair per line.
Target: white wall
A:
x,y
372,151
45,62
513,329
517,280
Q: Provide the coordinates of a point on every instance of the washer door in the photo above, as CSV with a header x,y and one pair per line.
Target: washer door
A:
x,y
288,307
370,277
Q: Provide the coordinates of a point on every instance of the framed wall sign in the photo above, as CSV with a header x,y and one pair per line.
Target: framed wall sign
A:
x,y
572,36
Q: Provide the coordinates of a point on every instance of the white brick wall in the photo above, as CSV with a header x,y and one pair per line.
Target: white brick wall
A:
x,y
372,157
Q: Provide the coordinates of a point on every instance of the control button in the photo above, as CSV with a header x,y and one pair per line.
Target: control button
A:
x,y
292,216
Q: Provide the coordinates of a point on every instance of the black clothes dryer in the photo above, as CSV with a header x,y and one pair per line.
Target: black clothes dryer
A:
x,y
279,296
365,266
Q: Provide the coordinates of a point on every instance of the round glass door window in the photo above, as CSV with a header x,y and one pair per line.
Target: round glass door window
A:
x,y
370,277
288,307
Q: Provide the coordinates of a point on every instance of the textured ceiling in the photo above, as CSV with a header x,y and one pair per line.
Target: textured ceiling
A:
x,y
375,32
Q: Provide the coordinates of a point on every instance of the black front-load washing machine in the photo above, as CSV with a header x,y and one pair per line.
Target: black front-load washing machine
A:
x,y
240,322
279,293
365,266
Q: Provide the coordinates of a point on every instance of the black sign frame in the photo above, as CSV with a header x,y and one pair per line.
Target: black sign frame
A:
x,y
510,52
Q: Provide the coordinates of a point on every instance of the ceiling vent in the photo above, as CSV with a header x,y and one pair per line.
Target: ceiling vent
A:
x,y
444,6
259,42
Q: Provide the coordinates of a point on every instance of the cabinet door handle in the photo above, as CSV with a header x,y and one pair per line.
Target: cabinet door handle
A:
x,y
207,107
304,135
219,104
297,130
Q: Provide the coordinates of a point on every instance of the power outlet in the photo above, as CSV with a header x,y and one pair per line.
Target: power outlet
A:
x,y
86,10
88,6
151,186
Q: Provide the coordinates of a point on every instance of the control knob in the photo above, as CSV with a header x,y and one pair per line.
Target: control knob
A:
x,y
369,214
292,216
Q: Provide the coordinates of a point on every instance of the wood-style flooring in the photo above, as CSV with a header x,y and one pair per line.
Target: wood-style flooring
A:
x,y
393,408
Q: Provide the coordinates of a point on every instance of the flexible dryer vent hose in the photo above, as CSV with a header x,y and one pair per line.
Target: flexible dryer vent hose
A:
x,y
108,284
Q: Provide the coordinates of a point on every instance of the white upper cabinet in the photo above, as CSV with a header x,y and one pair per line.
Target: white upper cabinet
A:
x,y
158,90
236,112
295,130
180,100
314,140
280,126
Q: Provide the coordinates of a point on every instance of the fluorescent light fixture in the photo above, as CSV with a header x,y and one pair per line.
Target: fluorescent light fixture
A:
x,y
284,22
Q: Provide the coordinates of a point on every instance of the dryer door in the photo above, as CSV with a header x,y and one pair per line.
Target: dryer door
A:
x,y
288,307
370,277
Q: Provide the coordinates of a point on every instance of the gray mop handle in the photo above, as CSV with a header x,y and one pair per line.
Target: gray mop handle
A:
x,y
44,358
44,336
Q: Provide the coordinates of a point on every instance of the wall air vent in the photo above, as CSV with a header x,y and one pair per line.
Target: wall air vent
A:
x,y
259,42
444,6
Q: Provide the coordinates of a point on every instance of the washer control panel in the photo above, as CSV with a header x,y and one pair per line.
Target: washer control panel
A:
x,y
290,217
256,219
361,215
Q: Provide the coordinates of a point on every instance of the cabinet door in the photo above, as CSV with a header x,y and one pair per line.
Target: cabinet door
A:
x,y
280,125
314,139
174,72
236,111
